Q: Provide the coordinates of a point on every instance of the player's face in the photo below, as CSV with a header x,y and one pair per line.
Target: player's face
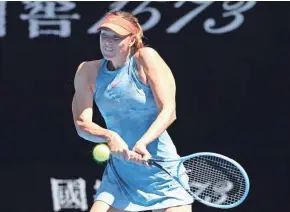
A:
x,y
114,45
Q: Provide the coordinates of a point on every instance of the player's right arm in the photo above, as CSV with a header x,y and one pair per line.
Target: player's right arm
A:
x,y
82,108
82,105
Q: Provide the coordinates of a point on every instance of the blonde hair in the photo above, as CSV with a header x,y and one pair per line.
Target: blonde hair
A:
x,y
129,17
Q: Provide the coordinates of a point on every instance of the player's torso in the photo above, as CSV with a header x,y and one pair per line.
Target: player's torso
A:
x,y
122,97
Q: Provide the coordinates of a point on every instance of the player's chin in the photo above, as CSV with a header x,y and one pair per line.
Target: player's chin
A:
x,y
108,55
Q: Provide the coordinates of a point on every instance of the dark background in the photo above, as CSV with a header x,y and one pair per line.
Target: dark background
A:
x,y
232,98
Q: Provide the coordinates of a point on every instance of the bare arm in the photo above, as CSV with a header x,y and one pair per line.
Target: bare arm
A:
x,y
82,107
162,83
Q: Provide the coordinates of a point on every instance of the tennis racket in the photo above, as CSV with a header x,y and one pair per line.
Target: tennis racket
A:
x,y
212,179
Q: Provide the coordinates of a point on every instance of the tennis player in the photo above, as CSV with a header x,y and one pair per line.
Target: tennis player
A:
x,y
134,90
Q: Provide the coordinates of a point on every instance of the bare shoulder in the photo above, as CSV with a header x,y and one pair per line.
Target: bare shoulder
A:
x,y
144,53
87,72
88,68
149,59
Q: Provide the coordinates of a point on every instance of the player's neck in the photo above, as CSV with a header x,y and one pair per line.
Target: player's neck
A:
x,y
115,64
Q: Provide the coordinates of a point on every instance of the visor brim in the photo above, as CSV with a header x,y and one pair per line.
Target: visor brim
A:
x,y
115,28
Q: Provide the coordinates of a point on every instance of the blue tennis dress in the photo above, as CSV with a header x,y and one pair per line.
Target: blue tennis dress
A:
x,y
128,108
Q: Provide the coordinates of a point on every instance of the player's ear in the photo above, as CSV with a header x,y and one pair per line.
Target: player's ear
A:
x,y
132,40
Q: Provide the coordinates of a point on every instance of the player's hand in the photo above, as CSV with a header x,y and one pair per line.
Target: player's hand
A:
x,y
135,158
141,149
118,146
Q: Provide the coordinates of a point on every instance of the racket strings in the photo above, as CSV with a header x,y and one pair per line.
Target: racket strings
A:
x,y
215,180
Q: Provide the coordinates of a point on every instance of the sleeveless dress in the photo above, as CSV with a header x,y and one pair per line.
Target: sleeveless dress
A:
x,y
128,108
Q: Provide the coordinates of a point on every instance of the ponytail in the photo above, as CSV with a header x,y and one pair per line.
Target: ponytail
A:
x,y
139,42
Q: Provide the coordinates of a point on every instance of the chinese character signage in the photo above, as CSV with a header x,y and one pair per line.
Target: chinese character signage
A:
x,y
56,18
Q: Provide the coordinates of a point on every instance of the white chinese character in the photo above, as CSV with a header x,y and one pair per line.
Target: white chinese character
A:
x,y
2,18
67,194
43,14
97,186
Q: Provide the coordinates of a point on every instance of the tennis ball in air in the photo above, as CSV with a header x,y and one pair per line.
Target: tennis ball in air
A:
x,y
101,152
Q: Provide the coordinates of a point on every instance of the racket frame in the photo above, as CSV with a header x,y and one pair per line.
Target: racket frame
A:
x,y
154,162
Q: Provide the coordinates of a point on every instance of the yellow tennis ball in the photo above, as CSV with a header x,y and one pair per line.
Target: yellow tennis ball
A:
x,y
101,152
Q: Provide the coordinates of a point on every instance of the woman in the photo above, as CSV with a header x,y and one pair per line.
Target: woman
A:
x,y
134,90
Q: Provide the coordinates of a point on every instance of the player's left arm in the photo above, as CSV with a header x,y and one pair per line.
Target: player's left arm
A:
x,y
162,83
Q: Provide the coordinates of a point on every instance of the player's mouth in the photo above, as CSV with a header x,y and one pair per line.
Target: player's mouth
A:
x,y
108,49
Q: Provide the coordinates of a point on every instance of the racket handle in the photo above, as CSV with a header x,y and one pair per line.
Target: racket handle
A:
x,y
151,162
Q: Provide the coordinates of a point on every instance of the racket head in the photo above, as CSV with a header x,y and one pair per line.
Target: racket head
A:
x,y
204,171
